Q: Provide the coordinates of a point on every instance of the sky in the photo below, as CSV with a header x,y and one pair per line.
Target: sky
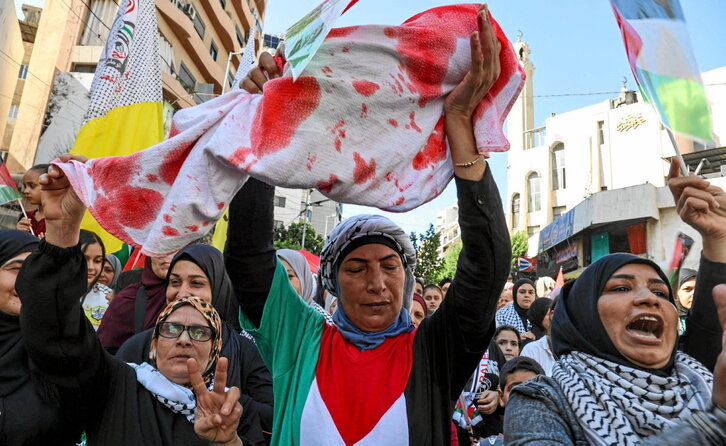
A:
x,y
576,50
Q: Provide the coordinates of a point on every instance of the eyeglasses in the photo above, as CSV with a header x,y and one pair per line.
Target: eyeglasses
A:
x,y
172,330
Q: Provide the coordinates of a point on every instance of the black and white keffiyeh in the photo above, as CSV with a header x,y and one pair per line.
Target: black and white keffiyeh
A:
x,y
620,405
177,398
508,316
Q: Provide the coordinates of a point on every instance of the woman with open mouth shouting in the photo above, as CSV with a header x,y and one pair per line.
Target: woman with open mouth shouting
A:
x,y
620,378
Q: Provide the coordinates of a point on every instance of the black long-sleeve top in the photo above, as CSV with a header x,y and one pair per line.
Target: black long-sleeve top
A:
x,y
116,409
446,347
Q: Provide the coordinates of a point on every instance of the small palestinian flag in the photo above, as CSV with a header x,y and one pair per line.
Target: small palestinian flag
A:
x,y
8,189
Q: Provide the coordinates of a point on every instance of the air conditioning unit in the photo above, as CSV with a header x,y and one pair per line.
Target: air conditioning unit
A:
x,y
178,3
190,11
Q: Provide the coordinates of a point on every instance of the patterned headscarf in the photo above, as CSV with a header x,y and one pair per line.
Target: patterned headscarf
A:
x,y
353,230
212,318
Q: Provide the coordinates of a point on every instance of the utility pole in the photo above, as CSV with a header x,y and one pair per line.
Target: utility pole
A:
x,y
306,205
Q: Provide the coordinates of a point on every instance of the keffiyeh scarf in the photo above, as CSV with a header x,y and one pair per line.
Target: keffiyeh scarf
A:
x,y
177,398
620,405
363,124
509,316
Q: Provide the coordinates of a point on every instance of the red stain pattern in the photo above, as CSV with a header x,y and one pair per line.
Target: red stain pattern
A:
x,y
311,160
363,110
413,124
193,228
326,186
426,55
393,123
296,101
338,130
169,231
363,171
342,32
434,151
366,88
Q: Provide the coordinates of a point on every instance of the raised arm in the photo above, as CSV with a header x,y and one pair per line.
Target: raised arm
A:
x,y
249,254
485,256
703,206
57,335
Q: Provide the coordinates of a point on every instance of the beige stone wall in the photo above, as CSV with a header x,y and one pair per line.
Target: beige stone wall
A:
x,y
11,57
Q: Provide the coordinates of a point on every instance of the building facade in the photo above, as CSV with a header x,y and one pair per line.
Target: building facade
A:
x,y
447,225
196,38
593,180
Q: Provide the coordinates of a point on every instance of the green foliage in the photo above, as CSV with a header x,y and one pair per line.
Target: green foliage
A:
x,y
519,246
428,264
451,259
290,237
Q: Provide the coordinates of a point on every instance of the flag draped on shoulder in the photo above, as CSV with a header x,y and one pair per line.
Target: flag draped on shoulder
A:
x,y
660,55
125,110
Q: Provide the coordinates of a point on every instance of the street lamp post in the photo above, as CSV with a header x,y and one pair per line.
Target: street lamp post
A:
x,y
226,70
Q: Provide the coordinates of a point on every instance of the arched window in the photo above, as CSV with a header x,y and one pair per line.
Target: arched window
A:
x,y
559,180
515,211
533,200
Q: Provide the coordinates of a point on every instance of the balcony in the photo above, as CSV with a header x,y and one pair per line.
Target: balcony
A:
x,y
196,50
222,24
244,14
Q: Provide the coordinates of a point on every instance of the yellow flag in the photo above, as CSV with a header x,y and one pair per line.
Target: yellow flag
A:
x,y
125,113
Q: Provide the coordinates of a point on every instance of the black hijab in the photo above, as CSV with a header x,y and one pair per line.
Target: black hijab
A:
x,y
536,314
211,261
14,370
576,324
521,311
685,275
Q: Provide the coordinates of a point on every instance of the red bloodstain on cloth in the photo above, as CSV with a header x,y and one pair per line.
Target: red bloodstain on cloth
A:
x,y
171,232
173,162
363,171
295,101
363,110
327,185
366,88
435,149
240,155
426,56
413,124
339,131
393,122
342,32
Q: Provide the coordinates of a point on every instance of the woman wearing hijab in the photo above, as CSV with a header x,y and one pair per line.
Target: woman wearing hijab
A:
x,y
125,315
298,271
537,315
34,410
541,349
620,378
198,270
120,403
371,378
111,271
686,286
516,314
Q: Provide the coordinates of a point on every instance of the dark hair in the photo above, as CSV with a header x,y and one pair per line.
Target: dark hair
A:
x,y
88,238
42,168
502,328
421,281
444,281
518,364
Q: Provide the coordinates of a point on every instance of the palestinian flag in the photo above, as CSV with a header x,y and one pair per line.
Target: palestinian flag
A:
x,y
659,51
8,189
680,252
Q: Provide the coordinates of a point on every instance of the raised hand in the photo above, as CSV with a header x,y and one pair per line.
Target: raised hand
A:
x,y
703,206
265,70
484,71
218,411
719,371
62,209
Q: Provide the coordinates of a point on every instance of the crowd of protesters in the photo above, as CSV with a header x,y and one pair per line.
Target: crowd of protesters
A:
x,y
250,347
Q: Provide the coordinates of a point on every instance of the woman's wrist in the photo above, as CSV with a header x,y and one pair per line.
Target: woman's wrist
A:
x,y
464,154
61,233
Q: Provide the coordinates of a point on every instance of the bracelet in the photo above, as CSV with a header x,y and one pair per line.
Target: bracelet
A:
x,y
469,163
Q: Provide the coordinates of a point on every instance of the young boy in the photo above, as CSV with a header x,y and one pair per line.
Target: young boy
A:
x,y
516,371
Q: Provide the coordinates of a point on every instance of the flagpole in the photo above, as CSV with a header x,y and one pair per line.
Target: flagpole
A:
x,y
30,226
684,167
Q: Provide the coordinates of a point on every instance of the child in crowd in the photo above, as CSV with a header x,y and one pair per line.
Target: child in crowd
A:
x,y
516,371
433,296
35,221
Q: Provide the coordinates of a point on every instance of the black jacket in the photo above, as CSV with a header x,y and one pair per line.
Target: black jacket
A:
x,y
116,409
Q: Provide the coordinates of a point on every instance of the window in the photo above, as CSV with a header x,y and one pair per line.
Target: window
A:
x,y
213,51
240,37
230,77
557,211
601,132
277,223
84,68
532,230
186,78
280,201
13,111
223,3
515,211
23,72
558,167
199,25
533,199
270,41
